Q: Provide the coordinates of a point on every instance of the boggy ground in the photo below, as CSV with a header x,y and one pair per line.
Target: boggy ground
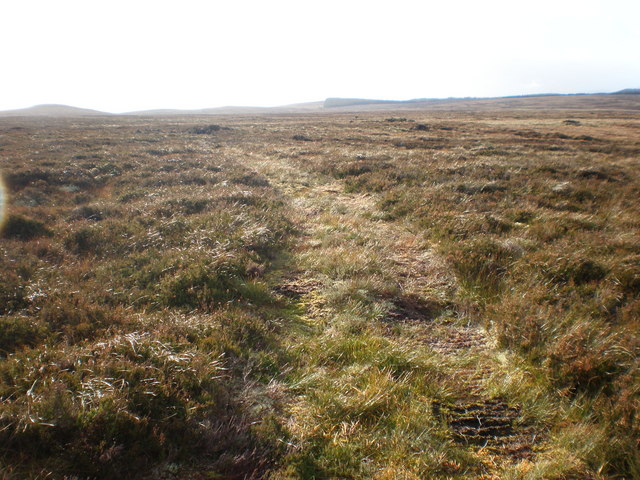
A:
x,y
409,295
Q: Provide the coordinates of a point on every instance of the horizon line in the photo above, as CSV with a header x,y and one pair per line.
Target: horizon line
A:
x,y
633,91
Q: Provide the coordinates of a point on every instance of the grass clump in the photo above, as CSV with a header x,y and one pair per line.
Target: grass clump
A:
x,y
24,228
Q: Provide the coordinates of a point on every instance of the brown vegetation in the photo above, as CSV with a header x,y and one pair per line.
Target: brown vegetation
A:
x,y
441,295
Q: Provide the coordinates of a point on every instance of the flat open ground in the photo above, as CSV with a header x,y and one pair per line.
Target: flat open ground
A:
x,y
385,294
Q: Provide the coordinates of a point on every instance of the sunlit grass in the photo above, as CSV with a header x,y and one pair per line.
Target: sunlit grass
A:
x,y
249,305
540,231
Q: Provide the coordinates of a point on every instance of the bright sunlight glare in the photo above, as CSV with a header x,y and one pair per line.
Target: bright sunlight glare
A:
x,y
3,201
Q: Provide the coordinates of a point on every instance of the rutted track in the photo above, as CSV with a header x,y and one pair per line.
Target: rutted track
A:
x,y
476,419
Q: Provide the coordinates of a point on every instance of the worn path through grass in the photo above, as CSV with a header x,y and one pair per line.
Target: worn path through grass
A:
x,y
391,379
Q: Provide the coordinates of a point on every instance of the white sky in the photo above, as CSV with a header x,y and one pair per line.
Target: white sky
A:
x,y
137,54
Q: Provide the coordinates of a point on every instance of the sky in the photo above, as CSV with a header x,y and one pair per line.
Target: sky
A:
x,y
119,56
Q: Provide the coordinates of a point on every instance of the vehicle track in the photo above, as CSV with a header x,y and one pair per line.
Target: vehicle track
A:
x,y
476,419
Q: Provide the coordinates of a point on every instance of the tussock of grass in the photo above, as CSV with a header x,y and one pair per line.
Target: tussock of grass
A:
x,y
23,228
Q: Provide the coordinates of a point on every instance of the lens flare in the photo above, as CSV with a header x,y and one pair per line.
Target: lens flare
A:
x,y
3,201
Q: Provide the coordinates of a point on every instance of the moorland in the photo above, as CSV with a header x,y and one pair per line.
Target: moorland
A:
x,y
441,293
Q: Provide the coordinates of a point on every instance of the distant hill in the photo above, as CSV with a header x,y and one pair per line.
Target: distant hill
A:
x,y
202,111
627,99
623,100
628,91
52,111
349,102
369,104
231,110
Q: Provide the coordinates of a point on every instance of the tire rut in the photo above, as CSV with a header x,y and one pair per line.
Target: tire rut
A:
x,y
476,420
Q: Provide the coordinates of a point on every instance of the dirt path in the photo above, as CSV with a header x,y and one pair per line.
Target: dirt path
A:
x,y
477,420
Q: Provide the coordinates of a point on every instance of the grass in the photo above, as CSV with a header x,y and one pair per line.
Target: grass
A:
x,y
136,309
541,240
320,296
